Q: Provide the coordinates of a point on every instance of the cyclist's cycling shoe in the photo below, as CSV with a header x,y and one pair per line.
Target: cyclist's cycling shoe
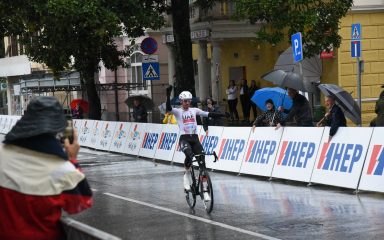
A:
x,y
207,198
187,181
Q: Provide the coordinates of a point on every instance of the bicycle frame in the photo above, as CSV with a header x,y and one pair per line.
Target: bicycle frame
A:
x,y
202,168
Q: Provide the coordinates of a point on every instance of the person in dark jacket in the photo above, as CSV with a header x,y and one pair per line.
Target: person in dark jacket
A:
x,y
334,118
269,118
39,176
252,89
300,111
139,112
245,100
211,121
379,110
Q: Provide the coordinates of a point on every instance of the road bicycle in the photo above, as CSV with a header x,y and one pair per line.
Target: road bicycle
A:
x,y
201,184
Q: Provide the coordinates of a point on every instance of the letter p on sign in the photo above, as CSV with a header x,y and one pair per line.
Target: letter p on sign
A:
x,y
297,47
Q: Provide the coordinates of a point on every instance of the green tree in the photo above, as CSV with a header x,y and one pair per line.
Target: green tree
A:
x,y
55,32
179,10
317,20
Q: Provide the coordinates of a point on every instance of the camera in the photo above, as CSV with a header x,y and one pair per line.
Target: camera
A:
x,y
67,133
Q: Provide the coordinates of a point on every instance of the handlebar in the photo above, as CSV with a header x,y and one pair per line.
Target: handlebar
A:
x,y
210,154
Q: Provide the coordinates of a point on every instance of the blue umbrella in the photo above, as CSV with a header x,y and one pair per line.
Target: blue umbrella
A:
x,y
278,96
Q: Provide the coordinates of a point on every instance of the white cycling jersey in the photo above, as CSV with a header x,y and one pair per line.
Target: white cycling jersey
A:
x,y
186,119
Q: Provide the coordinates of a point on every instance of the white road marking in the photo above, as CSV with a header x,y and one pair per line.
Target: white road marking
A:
x,y
86,157
223,225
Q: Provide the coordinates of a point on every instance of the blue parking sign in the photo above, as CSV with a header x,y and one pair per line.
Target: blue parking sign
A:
x,y
297,47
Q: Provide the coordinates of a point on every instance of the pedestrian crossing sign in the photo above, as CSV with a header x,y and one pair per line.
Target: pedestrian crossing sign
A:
x,y
356,31
150,67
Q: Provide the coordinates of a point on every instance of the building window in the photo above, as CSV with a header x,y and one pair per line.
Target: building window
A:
x,y
136,71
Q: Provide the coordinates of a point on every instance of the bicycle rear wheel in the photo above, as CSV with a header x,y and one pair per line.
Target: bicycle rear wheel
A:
x,y
207,189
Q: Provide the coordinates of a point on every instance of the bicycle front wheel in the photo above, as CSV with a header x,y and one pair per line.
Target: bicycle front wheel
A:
x,y
207,190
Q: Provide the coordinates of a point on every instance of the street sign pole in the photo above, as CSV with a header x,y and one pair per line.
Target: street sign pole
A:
x,y
356,53
359,85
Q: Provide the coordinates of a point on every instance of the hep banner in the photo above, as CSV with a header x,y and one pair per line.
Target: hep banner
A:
x,y
340,161
210,143
120,136
297,153
261,151
232,148
150,140
167,142
372,178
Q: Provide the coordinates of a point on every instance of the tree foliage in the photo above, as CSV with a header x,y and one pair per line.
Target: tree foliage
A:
x,y
317,20
55,32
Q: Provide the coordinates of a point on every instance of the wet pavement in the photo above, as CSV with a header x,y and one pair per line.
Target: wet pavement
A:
x,y
134,199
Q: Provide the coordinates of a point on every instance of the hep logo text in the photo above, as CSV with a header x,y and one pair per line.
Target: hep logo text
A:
x,y
167,140
149,141
339,157
296,154
209,143
230,149
260,151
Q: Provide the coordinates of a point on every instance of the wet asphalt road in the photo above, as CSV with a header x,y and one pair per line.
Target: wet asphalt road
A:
x,y
134,199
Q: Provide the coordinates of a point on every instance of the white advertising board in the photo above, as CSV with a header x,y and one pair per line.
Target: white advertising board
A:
x,y
76,124
135,137
179,156
210,143
340,161
297,153
167,142
105,137
2,122
120,136
95,133
372,178
85,131
152,133
232,146
261,151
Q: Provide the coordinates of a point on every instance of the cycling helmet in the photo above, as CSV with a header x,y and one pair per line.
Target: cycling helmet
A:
x,y
185,95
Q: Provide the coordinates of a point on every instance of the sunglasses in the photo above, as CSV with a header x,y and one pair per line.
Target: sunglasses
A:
x,y
188,100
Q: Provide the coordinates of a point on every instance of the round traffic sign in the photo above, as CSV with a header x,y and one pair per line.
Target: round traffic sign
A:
x,y
149,45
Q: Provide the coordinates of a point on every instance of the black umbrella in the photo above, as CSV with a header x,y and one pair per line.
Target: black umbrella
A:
x,y
344,100
287,79
144,100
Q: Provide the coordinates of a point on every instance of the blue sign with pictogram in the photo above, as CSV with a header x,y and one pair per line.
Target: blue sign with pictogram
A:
x,y
355,49
151,68
297,47
356,31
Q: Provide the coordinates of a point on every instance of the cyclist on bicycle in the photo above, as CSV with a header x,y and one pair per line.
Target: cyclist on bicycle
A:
x,y
189,140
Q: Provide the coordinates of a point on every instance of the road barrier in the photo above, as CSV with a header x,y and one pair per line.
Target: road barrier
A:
x,y
353,159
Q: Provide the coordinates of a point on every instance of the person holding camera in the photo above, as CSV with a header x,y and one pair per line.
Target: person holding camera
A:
x,y
40,175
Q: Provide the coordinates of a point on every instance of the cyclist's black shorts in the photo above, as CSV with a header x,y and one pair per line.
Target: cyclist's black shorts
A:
x,y
190,145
